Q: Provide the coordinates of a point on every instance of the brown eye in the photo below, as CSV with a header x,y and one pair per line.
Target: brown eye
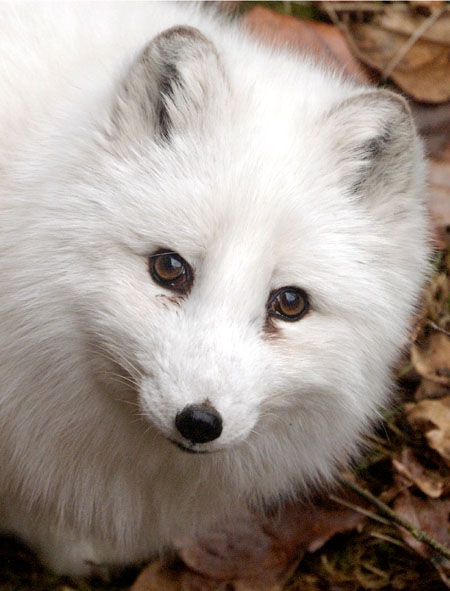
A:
x,y
288,303
171,271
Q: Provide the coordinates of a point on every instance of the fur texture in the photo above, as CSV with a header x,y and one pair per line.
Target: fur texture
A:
x,y
132,127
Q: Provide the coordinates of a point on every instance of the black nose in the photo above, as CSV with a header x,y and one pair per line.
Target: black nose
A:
x,y
199,424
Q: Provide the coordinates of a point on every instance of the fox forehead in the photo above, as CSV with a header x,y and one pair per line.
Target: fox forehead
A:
x,y
252,206
202,191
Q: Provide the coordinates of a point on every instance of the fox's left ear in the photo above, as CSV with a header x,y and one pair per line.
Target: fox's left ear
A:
x,y
376,145
169,86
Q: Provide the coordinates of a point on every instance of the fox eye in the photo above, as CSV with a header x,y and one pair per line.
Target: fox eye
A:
x,y
171,271
288,303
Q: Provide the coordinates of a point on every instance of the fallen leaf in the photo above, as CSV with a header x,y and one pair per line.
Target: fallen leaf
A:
x,y
399,18
432,359
427,414
429,389
423,72
431,516
250,553
409,467
437,297
327,520
242,548
159,577
245,547
433,417
323,40
439,440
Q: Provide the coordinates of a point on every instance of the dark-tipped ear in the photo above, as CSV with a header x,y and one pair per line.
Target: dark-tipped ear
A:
x,y
376,144
169,85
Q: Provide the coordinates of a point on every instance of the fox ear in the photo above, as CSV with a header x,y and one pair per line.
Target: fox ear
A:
x,y
376,145
169,85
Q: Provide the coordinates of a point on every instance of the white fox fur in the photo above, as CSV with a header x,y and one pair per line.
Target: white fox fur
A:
x,y
261,169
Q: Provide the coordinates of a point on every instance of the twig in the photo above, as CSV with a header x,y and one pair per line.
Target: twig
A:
x,y
438,328
359,509
376,571
390,539
410,42
342,27
416,532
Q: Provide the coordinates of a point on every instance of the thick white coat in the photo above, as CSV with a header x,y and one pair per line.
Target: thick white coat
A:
x,y
277,172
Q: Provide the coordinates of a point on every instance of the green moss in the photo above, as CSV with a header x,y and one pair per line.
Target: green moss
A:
x,y
306,10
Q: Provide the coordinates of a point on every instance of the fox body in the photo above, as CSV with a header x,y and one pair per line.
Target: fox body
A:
x,y
142,142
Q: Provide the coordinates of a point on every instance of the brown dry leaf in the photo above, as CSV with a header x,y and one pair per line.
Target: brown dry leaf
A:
x,y
432,359
423,72
439,440
400,18
328,519
323,40
431,516
427,414
249,546
250,553
437,298
157,577
433,417
412,470
243,548
429,389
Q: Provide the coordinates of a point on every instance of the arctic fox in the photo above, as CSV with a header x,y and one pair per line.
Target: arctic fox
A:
x,y
210,251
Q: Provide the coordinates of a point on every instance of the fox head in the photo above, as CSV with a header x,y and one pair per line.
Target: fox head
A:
x,y
250,249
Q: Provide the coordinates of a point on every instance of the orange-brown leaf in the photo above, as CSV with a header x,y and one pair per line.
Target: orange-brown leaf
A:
x,y
323,40
409,467
423,72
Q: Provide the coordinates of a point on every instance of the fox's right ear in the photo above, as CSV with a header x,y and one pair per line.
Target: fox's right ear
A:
x,y
375,141
169,86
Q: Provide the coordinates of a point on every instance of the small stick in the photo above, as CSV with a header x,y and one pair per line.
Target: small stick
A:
x,y
410,42
416,532
385,538
438,328
359,509
329,7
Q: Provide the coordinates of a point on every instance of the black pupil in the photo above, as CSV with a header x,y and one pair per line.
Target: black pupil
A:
x,y
291,300
170,267
173,265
